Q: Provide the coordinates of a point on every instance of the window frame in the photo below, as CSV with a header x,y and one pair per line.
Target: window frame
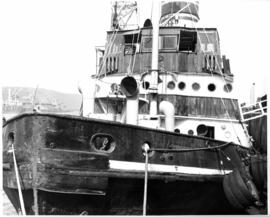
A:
x,y
161,38
161,49
143,48
195,45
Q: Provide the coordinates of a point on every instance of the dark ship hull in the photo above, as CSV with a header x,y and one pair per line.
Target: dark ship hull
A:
x,y
258,130
70,165
125,197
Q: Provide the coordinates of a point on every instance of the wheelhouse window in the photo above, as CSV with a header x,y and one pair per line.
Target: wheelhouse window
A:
x,y
147,43
132,39
168,42
131,43
188,41
130,49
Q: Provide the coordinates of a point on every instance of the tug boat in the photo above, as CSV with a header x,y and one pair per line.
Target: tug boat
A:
x,y
160,132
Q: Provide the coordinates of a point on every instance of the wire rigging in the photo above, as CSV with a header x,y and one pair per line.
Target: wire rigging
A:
x,y
219,68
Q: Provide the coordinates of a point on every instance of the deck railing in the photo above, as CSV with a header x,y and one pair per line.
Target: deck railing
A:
x,y
254,111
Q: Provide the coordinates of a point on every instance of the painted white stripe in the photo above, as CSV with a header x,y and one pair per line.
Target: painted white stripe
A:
x,y
135,166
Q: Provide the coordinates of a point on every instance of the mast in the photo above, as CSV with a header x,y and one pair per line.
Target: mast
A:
x,y
252,94
154,69
124,15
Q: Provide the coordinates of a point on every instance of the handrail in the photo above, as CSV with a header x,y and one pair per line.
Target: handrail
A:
x,y
255,110
250,105
189,149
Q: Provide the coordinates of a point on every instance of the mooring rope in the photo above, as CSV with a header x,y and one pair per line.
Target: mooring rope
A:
x,y
190,149
18,182
145,149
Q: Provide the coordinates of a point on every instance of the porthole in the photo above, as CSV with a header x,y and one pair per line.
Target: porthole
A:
x,y
171,85
181,85
195,86
102,142
211,87
145,85
228,134
162,158
190,132
170,157
176,130
227,88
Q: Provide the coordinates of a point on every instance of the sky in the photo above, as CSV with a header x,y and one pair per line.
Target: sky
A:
x,y
51,43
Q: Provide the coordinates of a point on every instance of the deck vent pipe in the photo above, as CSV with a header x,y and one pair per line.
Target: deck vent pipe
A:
x,y
167,109
129,87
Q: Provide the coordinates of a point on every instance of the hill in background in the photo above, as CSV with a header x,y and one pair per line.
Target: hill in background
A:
x,y
65,101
